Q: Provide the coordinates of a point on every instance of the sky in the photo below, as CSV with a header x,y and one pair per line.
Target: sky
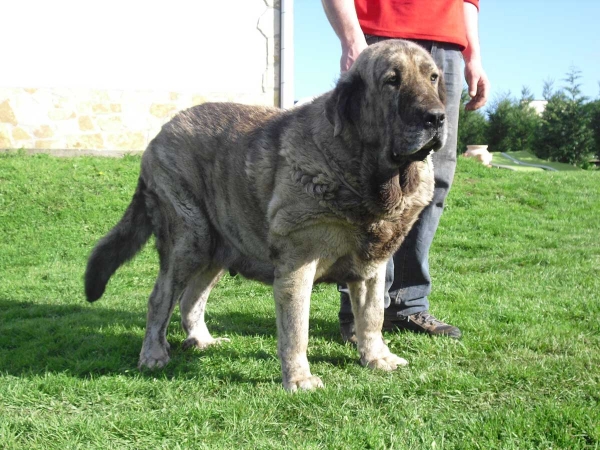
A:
x,y
524,43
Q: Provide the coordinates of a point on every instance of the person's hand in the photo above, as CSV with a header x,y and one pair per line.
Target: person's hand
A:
x,y
350,52
478,83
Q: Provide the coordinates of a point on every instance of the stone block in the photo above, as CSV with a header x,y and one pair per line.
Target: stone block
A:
x,y
106,108
85,123
5,137
198,99
47,144
83,107
126,141
110,123
7,114
61,114
93,141
61,100
19,134
162,110
43,132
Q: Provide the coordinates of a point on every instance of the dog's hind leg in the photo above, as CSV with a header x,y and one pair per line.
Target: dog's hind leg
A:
x,y
177,265
155,349
192,306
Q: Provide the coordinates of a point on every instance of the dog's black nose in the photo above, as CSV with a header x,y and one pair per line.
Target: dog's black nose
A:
x,y
434,118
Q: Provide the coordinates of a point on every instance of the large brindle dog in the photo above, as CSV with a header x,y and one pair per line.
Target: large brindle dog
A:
x,y
324,192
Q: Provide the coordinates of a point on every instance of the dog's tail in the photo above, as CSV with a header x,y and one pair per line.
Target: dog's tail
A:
x,y
118,246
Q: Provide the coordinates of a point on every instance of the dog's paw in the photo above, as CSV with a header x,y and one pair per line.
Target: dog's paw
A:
x,y
152,363
388,362
201,344
309,383
155,358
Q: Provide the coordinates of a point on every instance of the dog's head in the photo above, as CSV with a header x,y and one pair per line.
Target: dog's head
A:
x,y
392,101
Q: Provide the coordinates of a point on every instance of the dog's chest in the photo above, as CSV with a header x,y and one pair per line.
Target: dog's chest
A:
x,y
379,240
364,249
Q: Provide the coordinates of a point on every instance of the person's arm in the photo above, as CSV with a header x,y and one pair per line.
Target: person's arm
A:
x,y
477,81
342,17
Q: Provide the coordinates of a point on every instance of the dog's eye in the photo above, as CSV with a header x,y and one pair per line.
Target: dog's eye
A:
x,y
434,77
394,80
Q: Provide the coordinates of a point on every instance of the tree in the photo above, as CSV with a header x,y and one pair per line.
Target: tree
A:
x,y
565,134
548,89
499,123
525,122
512,124
594,116
471,126
526,95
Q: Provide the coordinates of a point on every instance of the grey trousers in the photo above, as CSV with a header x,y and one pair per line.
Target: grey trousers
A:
x,y
408,282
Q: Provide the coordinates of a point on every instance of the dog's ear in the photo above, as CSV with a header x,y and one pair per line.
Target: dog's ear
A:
x,y
442,89
343,104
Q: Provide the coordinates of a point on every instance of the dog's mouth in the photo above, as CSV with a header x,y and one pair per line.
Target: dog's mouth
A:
x,y
420,155
432,146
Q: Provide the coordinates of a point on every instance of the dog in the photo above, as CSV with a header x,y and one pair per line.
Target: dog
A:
x,y
323,192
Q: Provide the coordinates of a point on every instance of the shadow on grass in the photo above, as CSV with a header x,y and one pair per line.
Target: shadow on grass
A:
x,y
248,324
78,340
90,340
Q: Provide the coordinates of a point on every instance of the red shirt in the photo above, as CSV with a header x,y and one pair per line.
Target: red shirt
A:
x,y
432,20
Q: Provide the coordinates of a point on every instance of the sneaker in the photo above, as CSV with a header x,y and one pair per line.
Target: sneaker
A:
x,y
421,322
347,330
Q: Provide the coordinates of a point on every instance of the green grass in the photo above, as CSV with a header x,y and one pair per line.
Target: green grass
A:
x,y
529,158
515,266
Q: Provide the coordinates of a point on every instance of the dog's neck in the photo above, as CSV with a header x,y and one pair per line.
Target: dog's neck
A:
x,y
344,185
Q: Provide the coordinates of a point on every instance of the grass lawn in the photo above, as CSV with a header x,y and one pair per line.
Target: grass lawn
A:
x,y
515,264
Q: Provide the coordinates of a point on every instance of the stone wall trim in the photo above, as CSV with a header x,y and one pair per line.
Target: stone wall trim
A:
x,y
70,153
109,120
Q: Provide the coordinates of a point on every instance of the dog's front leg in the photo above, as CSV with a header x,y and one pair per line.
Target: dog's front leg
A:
x,y
292,289
367,299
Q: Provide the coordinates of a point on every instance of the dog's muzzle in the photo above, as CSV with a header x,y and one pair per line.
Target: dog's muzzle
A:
x,y
434,144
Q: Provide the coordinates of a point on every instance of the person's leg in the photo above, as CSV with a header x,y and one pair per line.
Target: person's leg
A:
x,y
408,282
411,281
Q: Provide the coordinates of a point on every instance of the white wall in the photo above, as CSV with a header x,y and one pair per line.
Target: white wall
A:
x,y
106,74
132,44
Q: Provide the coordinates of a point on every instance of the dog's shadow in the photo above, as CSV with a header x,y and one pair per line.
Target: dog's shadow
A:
x,y
90,340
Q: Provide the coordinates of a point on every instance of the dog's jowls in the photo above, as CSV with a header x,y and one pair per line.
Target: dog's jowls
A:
x,y
325,192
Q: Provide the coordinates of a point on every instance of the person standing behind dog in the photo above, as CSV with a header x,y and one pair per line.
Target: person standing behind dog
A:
x,y
448,29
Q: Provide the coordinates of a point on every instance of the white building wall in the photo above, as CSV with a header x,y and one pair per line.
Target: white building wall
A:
x,y
107,74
